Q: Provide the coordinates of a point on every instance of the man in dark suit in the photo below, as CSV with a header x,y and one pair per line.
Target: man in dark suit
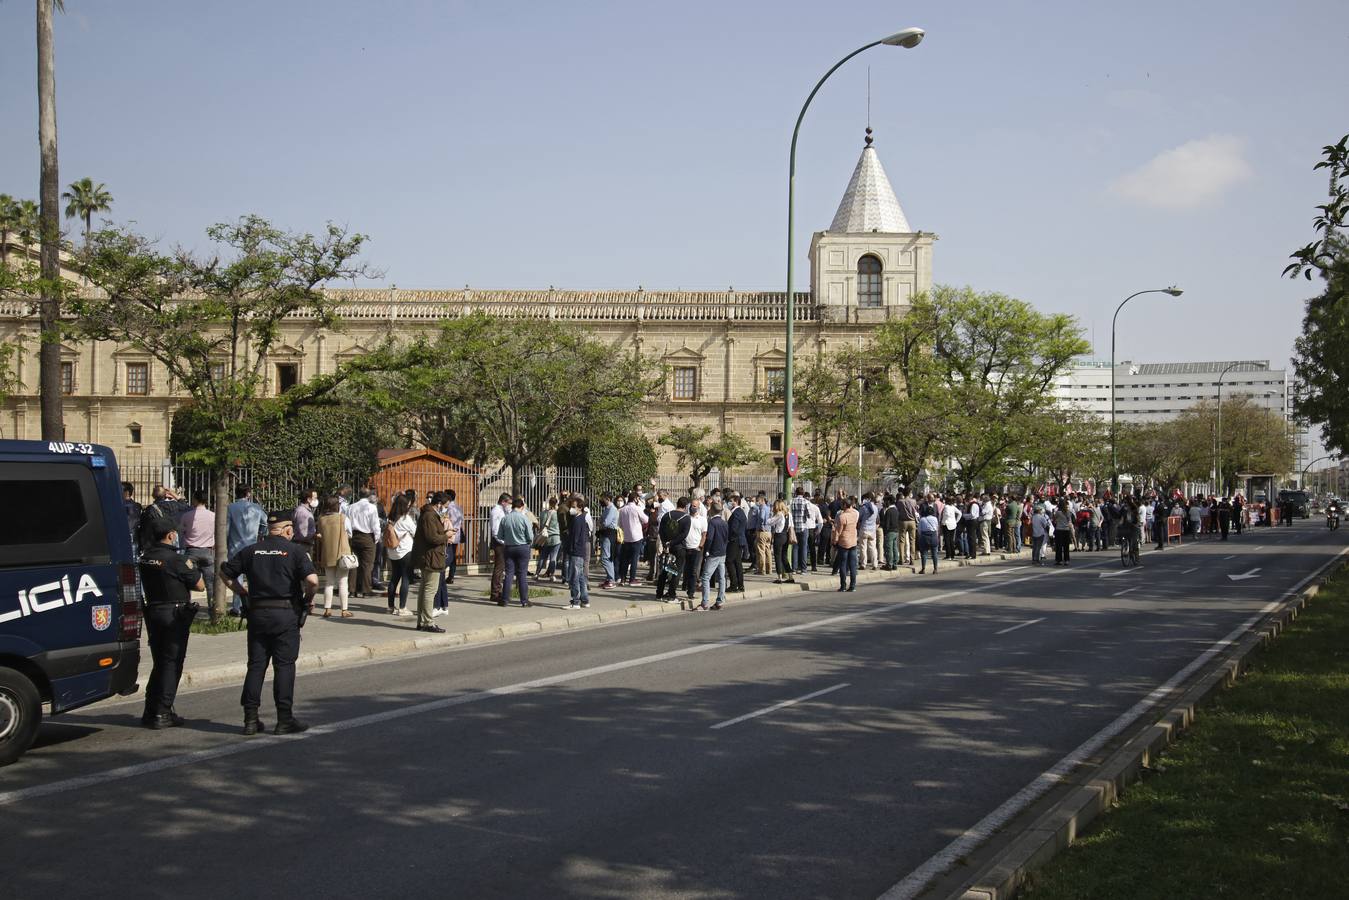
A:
x,y
738,523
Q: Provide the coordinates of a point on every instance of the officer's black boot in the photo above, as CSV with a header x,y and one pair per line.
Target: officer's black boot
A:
x,y
289,725
252,725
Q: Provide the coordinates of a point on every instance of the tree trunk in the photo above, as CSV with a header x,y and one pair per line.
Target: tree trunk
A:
x,y
221,486
49,308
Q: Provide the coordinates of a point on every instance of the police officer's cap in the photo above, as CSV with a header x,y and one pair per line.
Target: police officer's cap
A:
x,y
163,528
281,517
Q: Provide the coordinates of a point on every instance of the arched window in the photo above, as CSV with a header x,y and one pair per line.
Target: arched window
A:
x,y
869,281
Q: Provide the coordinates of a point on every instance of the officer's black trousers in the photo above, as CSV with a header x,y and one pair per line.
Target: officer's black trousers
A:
x,y
273,637
168,626
735,567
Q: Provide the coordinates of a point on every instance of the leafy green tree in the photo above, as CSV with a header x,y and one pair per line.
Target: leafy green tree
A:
x,y
1067,445
614,459
210,322
830,398
699,456
84,199
1321,353
510,390
1164,454
980,367
1254,439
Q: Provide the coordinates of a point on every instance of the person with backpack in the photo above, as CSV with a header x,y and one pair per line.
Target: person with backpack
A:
x,y
674,528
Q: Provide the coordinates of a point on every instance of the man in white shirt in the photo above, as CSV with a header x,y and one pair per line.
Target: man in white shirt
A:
x,y
985,524
364,518
693,547
498,513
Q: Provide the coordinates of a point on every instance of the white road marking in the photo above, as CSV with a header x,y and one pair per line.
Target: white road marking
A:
x,y
1246,575
995,572
1116,574
1255,549
1123,592
1233,556
777,706
1188,571
258,743
913,883
1015,627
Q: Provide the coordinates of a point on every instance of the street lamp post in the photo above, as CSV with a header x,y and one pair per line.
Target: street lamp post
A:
x,y
1218,438
1114,452
909,37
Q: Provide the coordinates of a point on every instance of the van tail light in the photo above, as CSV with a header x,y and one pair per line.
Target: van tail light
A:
x,y
132,615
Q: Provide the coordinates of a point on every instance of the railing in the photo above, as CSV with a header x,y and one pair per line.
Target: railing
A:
x,y
366,305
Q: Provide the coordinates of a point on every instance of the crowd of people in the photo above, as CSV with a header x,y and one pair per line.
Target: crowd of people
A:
x,y
363,548
349,544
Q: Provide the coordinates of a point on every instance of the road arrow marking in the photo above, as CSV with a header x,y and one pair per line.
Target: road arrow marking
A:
x,y
997,572
1116,574
1250,574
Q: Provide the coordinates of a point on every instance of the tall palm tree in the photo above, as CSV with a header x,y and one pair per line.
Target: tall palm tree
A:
x,y
27,222
9,222
83,199
49,305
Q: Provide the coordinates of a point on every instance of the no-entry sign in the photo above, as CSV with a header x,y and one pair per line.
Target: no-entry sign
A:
x,y
793,462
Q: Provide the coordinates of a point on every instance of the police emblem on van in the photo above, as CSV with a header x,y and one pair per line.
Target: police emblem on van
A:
x,y
102,617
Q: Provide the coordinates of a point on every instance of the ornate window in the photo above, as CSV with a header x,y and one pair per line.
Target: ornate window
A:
x,y
134,433
869,291
685,383
774,382
137,379
67,378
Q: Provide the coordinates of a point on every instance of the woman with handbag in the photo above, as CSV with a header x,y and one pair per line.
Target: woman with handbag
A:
x,y
548,542
333,556
780,524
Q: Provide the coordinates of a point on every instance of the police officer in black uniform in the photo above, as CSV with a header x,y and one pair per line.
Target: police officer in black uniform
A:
x,y
279,595
169,580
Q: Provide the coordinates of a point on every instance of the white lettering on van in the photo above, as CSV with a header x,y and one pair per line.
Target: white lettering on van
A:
x,y
31,602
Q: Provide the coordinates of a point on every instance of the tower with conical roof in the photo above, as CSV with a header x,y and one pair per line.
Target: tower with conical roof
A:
x,y
869,265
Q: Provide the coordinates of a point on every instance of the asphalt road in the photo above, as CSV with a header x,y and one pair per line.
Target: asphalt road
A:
x,y
628,760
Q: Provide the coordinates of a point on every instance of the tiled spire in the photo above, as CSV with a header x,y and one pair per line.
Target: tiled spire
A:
x,y
869,203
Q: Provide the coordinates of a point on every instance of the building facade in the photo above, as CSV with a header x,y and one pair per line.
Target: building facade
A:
x,y
724,351
1153,392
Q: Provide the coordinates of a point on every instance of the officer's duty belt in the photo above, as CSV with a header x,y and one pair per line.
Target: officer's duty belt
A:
x,y
270,603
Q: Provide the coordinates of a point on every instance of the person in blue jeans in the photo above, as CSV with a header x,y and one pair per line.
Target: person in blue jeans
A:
x,y
608,536
845,546
715,544
928,529
576,550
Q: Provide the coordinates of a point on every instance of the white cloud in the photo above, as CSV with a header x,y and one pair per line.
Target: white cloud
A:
x,y
1188,176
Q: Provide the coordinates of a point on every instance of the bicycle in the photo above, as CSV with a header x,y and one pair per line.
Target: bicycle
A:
x,y
1128,549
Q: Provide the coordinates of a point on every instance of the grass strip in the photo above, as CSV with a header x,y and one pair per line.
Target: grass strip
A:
x,y
1252,801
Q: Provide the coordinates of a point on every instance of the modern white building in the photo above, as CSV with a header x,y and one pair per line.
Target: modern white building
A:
x,y
1152,392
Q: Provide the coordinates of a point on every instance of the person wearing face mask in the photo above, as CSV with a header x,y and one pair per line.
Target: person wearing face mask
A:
x,y
305,523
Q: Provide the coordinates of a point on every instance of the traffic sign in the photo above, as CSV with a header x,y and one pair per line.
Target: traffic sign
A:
x,y
793,462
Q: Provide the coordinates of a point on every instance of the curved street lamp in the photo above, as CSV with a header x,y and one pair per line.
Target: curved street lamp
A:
x,y
1114,453
1218,437
908,38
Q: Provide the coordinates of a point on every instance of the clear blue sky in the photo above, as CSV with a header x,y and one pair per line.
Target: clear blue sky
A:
x,y
1068,153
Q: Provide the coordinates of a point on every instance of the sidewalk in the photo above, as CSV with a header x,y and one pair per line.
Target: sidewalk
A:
x,y
216,659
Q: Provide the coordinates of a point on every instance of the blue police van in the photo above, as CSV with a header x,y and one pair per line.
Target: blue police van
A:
x,y
70,597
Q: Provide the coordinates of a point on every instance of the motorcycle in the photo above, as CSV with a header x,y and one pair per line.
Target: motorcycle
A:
x,y
1333,516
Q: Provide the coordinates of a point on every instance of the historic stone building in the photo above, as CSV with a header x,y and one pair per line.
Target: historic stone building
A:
x,y
725,350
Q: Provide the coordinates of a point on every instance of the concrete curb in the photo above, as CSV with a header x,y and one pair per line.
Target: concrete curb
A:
x,y
338,657
1096,788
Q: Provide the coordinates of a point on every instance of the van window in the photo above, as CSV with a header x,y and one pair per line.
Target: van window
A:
x,y
57,516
